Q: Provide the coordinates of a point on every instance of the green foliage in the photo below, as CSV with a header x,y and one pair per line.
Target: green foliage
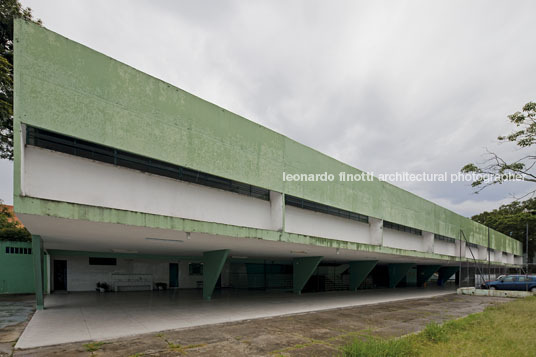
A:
x,y
93,346
9,9
10,228
377,347
507,329
524,136
512,220
434,333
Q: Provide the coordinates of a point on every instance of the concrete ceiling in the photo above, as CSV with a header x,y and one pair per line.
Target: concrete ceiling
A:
x,y
67,234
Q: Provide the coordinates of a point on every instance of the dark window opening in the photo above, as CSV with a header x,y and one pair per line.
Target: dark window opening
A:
x,y
444,238
195,269
321,208
17,250
102,261
72,146
402,228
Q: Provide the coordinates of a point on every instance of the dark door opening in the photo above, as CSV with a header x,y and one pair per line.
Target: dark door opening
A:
x,y
173,275
60,275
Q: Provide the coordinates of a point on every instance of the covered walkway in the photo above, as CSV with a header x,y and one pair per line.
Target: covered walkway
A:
x,y
99,316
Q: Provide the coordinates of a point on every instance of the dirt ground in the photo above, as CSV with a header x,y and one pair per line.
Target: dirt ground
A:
x,y
311,334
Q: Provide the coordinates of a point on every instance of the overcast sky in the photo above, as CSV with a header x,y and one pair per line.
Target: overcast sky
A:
x,y
383,86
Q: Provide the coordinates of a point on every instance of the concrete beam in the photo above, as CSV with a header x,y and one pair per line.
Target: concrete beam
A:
x,y
213,262
302,269
425,272
359,270
277,211
427,242
445,273
376,231
397,272
37,253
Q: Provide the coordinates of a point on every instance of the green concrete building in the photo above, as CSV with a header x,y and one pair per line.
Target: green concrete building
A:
x,y
127,180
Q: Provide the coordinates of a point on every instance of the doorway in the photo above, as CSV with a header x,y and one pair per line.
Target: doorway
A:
x,y
173,275
60,275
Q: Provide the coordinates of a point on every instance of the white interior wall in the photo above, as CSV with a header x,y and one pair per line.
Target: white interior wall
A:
x,y
61,177
83,277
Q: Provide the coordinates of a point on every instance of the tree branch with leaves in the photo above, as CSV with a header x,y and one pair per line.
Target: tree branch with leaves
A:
x,y
501,170
9,10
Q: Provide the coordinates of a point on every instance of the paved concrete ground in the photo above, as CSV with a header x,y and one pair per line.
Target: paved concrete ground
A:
x,y
319,333
101,316
15,310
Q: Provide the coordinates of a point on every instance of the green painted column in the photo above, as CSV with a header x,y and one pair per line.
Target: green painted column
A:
x,y
445,273
359,270
37,253
213,262
302,269
397,272
425,272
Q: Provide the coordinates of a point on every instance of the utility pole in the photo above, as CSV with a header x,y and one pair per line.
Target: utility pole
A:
x,y
489,258
527,258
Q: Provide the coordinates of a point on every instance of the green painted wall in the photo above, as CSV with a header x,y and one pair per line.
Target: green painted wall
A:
x,y
63,86
16,270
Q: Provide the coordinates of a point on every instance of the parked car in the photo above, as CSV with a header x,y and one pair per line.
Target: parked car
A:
x,y
512,282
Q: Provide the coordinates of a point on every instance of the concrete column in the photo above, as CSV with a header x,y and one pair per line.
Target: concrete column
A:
x,y
277,211
302,269
359,270
498,256
37,253
213,262
460,245
482,252
427,242
425,272
510,258
397,272
376,231
445,273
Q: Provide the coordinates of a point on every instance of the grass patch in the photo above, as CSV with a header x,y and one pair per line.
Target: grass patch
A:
x,y
503,330
93,346
377,347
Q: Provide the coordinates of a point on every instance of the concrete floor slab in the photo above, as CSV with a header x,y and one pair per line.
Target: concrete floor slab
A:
x,y
99,316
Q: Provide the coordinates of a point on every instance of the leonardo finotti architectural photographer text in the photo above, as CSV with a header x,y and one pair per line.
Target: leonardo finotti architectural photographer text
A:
x,y
400,177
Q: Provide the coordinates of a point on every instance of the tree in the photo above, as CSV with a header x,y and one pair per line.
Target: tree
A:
x,y
496,170
9,9
512,220
10,228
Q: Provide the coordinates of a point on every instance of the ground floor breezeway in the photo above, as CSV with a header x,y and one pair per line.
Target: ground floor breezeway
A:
x,y
82,316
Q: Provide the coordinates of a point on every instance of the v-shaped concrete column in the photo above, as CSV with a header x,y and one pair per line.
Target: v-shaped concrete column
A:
x,y
445,273
359,270
397,272
213,262
302,269
425,272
